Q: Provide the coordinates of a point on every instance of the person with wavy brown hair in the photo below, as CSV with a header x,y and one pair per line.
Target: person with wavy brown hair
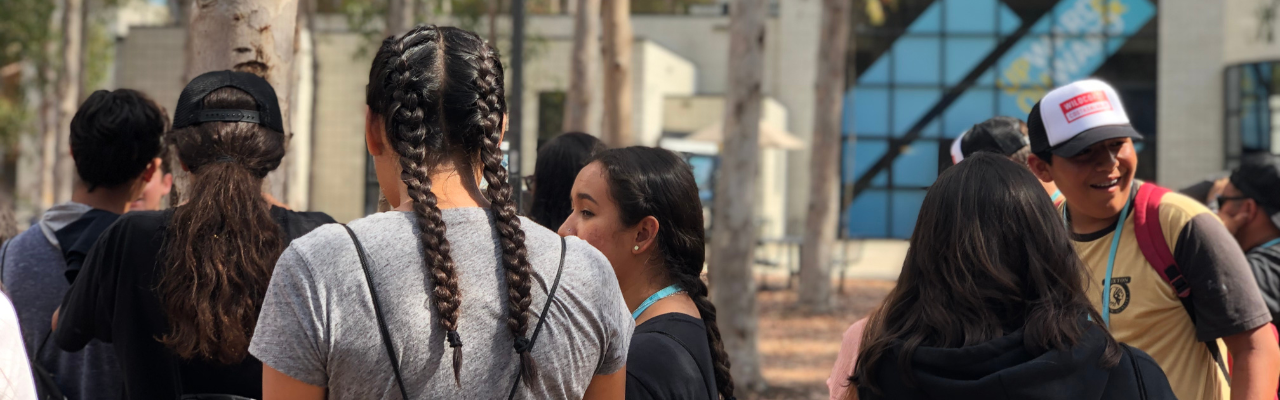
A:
x,y
450,295
177,292
991,304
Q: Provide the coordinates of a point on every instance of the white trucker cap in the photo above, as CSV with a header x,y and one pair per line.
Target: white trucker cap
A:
x,y
1071,118
956,155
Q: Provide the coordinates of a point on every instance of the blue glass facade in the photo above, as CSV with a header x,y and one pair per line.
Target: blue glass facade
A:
x,y
937,67
1250,90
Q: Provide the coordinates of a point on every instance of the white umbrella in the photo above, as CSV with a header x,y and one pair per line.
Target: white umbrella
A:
x,y
770,137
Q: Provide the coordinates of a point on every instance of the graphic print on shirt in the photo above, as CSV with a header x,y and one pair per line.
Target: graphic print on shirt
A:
x,y
1119,298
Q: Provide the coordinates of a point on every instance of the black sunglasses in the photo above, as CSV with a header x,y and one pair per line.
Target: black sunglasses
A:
x,y
1221,199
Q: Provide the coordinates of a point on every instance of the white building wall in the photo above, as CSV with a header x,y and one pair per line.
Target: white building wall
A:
x,y
659,73
796,68
1189,91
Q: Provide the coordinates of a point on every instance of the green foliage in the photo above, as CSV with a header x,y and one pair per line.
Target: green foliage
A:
x,y
99,52
664,6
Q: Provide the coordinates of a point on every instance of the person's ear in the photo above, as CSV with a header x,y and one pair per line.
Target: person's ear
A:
x,y
646,235
167,183
1040,168
374,133
150,172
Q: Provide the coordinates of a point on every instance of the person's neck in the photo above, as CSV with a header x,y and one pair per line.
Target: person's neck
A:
x,y
115,200
1082,224
1259,235
1049,187
452,189
637,286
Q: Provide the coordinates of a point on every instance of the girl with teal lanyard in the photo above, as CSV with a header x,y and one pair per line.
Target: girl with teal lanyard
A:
x,y
640,207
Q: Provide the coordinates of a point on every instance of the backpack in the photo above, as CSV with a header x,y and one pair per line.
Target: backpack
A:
x,y
46,387
1150,235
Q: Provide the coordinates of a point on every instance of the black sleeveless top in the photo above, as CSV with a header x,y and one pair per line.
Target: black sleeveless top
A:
x,y
670,359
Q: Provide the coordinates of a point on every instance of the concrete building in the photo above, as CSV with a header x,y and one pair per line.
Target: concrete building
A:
x,y
680,65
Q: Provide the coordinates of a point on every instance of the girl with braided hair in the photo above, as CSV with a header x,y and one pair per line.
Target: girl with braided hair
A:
x,y
450,295
640,207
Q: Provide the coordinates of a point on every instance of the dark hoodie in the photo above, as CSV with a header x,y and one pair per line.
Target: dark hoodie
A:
x,y
1004,369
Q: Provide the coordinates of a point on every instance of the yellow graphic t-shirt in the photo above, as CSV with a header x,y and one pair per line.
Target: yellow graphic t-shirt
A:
x,y
1147,314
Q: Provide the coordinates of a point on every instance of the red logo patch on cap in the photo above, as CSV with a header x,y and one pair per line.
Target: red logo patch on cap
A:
x,y
1084,105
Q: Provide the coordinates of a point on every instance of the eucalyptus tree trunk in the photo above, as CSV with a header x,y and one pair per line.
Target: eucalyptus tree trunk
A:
x,y
399,17
824,172
256,36
68,96
734,235
617,73
586,30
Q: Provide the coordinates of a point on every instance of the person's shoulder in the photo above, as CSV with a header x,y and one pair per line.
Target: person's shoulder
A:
x,y
1178,206
315,218
655,348
140,222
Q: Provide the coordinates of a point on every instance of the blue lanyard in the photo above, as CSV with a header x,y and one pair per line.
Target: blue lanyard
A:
x,y
1273,242
1111,259
662,294
1055,196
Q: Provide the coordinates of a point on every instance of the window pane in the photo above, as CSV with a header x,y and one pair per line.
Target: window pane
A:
x,y
917,166
974,106
906,207
867,216
870,117
915,60
963,54
909,105
971,16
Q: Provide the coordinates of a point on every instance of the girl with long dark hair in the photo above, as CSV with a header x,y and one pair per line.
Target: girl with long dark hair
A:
x,y
991,304
177,292
451,295
559,161
640,207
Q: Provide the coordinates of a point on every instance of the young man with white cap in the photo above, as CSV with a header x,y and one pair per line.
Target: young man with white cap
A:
x,y
1006,136
1201,293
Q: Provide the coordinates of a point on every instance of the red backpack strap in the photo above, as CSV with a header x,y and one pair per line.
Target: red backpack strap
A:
x,y
1146,220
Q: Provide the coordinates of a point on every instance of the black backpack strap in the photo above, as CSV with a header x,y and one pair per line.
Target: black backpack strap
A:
x,y
377,313
551,295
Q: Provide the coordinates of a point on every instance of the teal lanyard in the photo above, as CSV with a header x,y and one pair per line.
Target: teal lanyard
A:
x,y
1273,242
1111,259
1055,196
662,294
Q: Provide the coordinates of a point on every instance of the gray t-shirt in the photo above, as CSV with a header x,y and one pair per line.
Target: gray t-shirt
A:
x,y
317,323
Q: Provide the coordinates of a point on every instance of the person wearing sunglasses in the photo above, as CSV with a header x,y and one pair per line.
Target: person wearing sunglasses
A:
x,y
1249,206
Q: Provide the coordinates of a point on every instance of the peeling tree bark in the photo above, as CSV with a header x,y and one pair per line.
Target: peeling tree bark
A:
x,y
586,30
617,73
255,36
821,222
734,235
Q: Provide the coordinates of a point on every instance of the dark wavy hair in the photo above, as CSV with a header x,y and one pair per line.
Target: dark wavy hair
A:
x,y
221,247
439,92
558,164
647,181
115,135
989,256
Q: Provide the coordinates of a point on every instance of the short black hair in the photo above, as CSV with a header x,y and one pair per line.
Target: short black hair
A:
x,y
114,135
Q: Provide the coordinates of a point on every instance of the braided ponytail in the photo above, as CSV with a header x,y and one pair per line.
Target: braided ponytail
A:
x,y
440,92
490,108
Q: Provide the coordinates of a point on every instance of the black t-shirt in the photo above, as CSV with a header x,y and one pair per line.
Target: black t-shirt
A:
x,y
670,359
77,238
114,300
1265,262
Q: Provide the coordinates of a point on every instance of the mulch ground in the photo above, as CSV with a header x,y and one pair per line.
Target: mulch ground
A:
x,y
798,350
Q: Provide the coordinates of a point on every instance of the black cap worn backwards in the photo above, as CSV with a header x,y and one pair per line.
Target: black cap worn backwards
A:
x,y
1000,135
1258,178
190,110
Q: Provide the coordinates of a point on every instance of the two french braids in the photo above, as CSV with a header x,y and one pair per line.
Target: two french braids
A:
x,y
440,92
